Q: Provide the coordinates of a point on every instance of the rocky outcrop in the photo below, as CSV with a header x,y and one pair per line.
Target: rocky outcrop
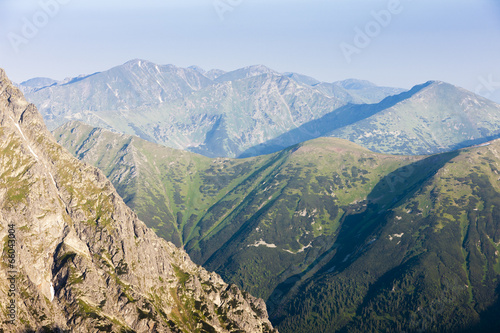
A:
x,y
76,258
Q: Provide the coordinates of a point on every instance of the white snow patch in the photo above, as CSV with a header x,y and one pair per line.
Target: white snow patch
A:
x,y
22,134
52,177
262,242
301,250
113,91
395,235
52,292
305,247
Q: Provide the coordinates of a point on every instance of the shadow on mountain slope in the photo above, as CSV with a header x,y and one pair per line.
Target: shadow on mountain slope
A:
x,y
488,322
361,222
473,142
341,117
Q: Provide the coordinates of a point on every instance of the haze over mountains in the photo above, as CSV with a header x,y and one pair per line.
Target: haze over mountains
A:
x,y
331,235
430,118
221,114
256,110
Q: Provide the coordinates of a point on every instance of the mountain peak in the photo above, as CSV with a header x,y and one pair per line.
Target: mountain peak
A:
x,y
448,89
11,96
137,62
254,70
259,67
355,84
310,81
246,72
214,73
197,69
3,76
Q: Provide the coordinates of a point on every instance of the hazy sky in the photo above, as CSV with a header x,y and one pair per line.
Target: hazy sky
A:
x,y
391,42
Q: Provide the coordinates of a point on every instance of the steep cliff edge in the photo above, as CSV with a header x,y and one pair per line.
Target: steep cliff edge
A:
x,y
75,257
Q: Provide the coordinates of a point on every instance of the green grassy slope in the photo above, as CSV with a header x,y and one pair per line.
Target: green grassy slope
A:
x,y
236,216
168,188
333,236
431,263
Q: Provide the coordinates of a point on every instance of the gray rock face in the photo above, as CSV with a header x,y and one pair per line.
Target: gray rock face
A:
x,y
81,260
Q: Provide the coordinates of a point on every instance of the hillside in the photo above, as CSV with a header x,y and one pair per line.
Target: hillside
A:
x,y
217,209
436,118
430,118
169,189
75,257
428,261
331,235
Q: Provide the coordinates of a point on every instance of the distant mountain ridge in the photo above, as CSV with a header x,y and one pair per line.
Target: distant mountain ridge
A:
x,y
256,110
214,113
430,118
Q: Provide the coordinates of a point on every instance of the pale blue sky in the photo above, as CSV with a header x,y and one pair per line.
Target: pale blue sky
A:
x,y
457,41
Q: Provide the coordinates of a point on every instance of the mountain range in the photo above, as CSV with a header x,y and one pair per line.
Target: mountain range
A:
x,y
76,258
255,110
220,114
333,236
430,118
394,230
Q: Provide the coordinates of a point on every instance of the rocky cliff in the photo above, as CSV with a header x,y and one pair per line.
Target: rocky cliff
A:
x,y
76,258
